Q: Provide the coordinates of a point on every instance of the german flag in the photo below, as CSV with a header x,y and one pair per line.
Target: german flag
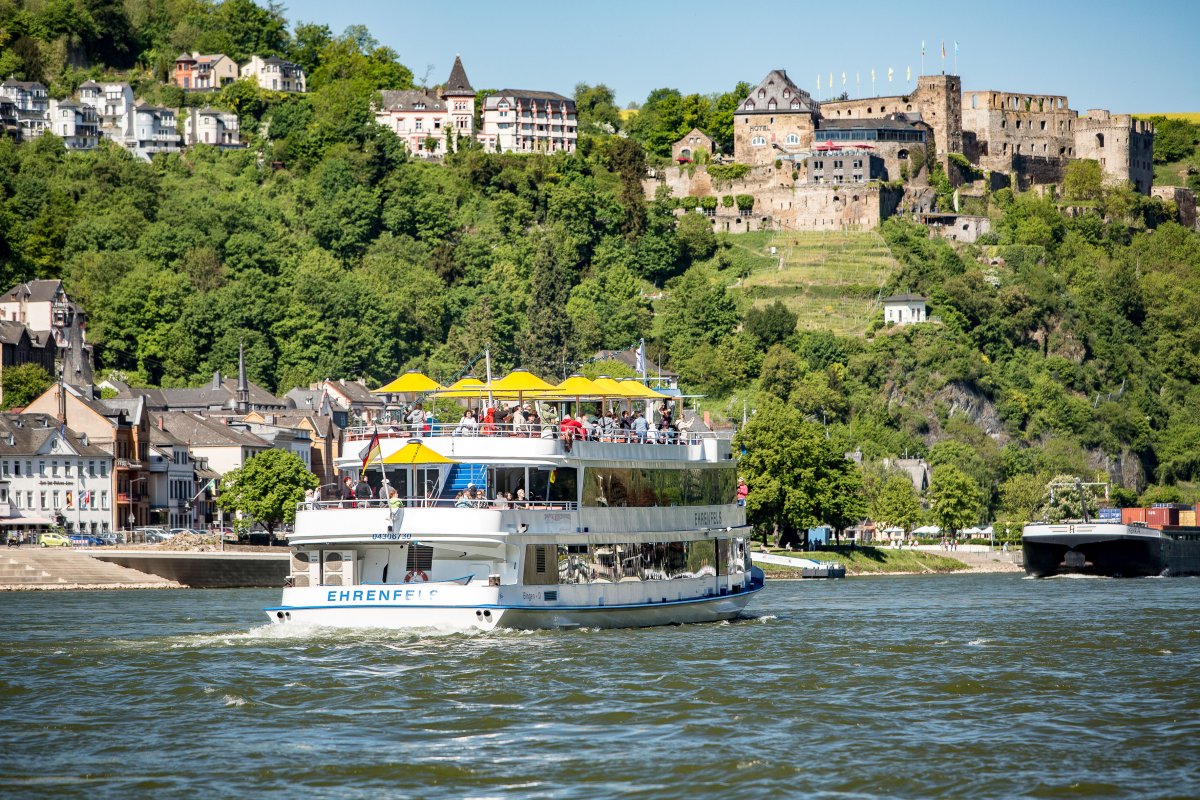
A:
x,y
372,453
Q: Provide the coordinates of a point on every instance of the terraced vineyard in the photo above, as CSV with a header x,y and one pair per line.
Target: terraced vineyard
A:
x,y
831,280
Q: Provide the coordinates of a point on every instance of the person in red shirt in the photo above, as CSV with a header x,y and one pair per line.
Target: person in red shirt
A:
x,y
742,491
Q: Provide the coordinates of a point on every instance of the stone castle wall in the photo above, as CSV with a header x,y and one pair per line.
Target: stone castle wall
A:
x,y
780,204
781,132
936,99
1001,126
1124,146
1184,200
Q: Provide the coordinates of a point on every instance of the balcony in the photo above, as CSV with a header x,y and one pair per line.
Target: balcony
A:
x,y
128,463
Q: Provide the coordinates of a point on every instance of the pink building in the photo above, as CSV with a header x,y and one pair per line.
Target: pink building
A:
x,y
427,120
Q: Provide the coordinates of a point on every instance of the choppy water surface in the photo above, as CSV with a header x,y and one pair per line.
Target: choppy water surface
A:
x,y
941,686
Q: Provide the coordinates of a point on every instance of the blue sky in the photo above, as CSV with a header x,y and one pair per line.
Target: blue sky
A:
x,y
1126,57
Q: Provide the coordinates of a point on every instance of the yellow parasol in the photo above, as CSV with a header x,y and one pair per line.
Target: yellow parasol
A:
x,y
576,387
411,382
417,453
637,391
611,388
519,382
467,387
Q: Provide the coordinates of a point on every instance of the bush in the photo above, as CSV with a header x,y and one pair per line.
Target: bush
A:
x,y
708,203
727,173
745,202
727,201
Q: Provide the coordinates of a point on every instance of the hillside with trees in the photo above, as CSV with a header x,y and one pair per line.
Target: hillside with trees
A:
x,y
1066,341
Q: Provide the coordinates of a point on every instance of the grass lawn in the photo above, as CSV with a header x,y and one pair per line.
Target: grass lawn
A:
x,y
872,560
832,281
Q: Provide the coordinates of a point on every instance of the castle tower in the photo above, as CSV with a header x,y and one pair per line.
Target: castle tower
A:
x,y
1124,146
459,96
939,99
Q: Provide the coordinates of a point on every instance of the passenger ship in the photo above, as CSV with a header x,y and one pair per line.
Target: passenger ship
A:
x,y
611,533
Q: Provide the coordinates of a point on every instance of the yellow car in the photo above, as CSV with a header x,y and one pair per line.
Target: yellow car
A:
x,y
54,540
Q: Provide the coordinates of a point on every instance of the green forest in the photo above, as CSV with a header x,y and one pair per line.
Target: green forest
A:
x,y
1068,340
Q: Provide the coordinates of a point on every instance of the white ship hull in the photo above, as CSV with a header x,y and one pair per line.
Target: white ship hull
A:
x,y
452,607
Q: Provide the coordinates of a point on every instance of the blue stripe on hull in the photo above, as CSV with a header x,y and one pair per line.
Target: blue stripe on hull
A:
x,y
621,607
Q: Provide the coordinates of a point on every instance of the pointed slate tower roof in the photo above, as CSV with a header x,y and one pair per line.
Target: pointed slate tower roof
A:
x,y
457,84
242,397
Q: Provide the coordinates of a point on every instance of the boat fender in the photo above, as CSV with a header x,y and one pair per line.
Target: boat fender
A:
x,y
416,573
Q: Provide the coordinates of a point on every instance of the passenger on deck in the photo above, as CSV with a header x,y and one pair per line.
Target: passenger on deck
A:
x,y
416,420
640,426
347,490
468,425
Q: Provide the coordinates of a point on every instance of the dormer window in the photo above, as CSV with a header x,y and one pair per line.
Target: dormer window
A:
x,y
787,93
749,105
771,104
762,93
795,104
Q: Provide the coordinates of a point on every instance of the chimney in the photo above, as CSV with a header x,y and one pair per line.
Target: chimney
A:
x,y
216,384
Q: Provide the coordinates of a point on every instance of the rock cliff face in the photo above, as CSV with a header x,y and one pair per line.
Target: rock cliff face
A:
x,y
961,399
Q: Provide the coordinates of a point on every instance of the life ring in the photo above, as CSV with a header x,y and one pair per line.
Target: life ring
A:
x,y
417,573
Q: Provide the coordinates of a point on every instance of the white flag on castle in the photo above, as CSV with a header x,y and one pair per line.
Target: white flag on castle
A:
x,y
641,359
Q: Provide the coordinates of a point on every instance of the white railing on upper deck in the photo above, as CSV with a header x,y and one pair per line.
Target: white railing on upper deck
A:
x,y
619,435
398,503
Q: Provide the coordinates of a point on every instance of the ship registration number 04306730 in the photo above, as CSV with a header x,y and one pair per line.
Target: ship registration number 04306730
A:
x,y
391,537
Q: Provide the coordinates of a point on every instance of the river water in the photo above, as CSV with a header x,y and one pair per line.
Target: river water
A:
x,y
938,686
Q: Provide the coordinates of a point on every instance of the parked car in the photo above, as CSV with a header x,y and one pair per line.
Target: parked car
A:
x,y
151,535
82,540
107,539
54,540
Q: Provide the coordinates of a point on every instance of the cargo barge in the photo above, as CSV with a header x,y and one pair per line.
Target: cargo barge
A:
x,y
1110,549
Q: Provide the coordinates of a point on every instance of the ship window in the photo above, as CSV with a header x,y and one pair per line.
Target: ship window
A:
x,y
623,562
641,487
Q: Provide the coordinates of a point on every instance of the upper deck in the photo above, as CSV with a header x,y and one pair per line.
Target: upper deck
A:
x,y
509,444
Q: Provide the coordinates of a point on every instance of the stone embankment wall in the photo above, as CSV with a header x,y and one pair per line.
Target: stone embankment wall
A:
x,y
781,204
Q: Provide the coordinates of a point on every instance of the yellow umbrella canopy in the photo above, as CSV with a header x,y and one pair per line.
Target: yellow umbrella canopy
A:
x,y
618,389
417,453
575,387
635,390
520,381
411,382
467,387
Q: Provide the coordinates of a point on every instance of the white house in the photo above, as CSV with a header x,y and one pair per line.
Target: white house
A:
x,y
275,74
211,126
77,124
49,473
171,480
32,101
528,121
903,309
114,105
155,131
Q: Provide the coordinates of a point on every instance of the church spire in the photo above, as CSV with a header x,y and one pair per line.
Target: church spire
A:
x,y
243,386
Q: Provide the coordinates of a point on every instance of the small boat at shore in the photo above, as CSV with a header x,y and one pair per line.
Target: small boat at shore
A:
x,y
606,530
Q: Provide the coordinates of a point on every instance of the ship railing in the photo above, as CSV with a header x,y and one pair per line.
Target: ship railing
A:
x,y
542,431
397,503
